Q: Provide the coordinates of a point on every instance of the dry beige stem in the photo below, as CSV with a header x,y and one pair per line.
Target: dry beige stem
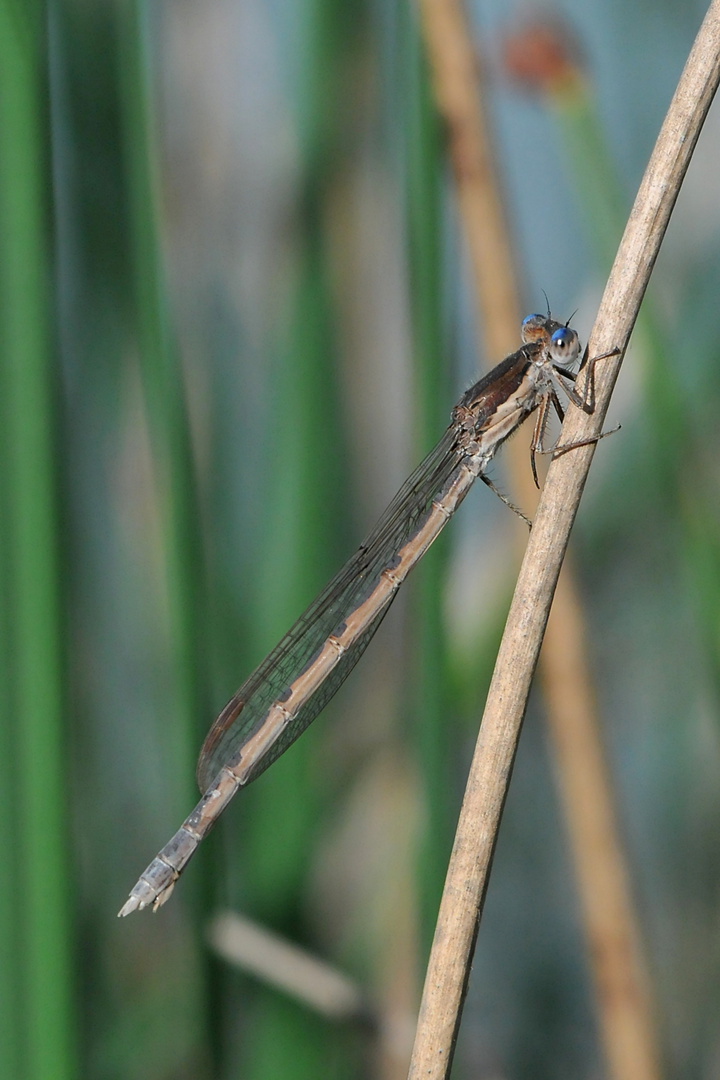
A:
x,y
622,991
461,906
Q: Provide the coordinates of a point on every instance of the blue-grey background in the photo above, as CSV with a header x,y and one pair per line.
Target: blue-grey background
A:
x,y
290,283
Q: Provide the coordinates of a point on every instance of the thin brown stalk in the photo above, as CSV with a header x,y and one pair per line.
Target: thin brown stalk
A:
x,y
620,979
466,882
619,973
455,66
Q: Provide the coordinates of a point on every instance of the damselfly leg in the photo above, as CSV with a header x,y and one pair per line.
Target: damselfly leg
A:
x,y
586,402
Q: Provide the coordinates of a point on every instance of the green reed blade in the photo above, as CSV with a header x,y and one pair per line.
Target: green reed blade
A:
x,y
43,993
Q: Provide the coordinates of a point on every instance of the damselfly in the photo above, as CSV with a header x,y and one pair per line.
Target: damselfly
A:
x,y
294,683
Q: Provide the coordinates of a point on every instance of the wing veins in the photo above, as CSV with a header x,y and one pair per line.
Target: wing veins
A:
x,y
246,709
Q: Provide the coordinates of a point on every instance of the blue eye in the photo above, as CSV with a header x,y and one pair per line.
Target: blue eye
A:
x,y
533,319
564,345
563,337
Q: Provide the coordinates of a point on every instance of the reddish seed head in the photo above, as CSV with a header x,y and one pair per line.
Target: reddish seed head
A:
x,y
543,57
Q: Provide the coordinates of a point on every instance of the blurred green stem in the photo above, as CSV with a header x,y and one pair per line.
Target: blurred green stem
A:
x,y
430,697
165,405
188,710
43,991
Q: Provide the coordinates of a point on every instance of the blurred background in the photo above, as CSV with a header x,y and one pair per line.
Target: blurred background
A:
x,y
237,305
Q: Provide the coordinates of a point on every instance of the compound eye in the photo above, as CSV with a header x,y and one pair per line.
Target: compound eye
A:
x,y
565,343
534,328
562,338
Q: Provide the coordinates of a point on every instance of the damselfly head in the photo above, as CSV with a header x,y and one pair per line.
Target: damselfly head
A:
x,y
564,346
538,329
